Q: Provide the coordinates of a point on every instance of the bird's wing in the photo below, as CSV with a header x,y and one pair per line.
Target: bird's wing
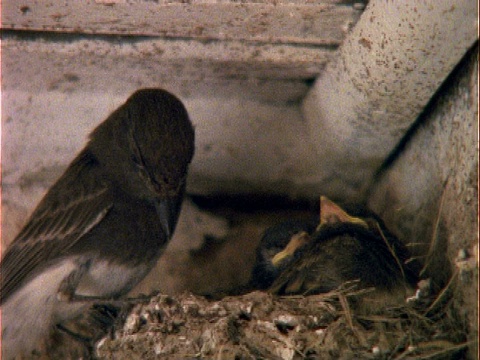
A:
x,y
294,279
73,206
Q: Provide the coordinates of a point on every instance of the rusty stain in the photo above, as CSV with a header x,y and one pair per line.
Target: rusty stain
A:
x,y
452,9
25,9
57,16
199,30
367,71
366,43
70,77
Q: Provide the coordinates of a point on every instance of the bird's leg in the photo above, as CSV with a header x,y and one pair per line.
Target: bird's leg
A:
x,y
66,290
68,286
87,329
73,334
101,315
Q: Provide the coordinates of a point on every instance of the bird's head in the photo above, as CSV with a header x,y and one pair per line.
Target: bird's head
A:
x,y
276,248
147,144
282,244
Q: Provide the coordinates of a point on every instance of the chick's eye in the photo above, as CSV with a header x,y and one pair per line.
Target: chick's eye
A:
x,y
136,161
165,179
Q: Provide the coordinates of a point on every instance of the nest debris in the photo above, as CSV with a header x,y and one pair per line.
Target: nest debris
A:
x,y
259,325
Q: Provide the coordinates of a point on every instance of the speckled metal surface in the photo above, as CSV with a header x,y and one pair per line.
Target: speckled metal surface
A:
x,y
387,70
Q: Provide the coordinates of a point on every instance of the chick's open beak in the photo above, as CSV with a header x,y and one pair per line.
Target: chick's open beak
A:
x,y
331,213
296,241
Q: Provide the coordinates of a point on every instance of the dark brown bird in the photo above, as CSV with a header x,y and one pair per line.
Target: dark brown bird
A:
x,y
102,226
342,248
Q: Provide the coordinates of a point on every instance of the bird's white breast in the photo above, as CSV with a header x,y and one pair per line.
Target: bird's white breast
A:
x,y
27,314
31,311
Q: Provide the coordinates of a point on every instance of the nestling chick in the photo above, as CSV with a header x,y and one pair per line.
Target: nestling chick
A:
x,y
342,248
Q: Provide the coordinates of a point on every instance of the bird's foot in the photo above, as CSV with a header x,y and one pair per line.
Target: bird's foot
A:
x,y
74,335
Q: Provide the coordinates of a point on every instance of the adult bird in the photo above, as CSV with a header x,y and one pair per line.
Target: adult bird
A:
x,y
102,226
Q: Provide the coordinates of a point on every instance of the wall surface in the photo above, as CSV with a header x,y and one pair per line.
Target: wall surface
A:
x,y
429,195
243,70
240,68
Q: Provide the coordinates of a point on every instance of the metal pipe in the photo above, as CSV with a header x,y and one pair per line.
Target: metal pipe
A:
x,y
388,68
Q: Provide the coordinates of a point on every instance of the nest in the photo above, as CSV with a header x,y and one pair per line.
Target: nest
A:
x,y
259,325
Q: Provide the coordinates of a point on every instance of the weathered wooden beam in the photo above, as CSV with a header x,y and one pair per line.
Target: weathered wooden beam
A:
x,y
53,61
281,22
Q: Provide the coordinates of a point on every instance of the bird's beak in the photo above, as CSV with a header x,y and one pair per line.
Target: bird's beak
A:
x,y
295,242
331,213
167,214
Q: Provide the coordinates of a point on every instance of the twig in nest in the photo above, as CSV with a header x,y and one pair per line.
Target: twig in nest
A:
x,y
378,318
348,316
442,294
400,345
348,288
412,313
430,351
413,258
413,244
434,240
346,310
392,251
